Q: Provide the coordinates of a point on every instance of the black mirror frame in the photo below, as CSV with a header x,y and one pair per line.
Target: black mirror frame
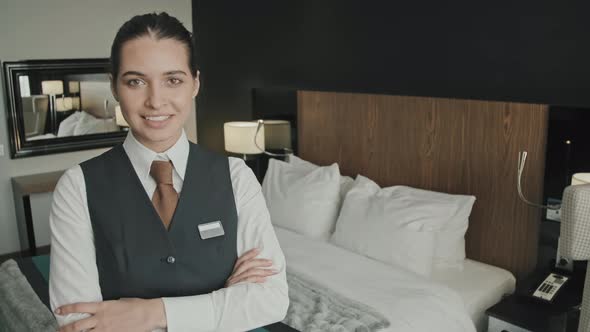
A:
x,y
19,147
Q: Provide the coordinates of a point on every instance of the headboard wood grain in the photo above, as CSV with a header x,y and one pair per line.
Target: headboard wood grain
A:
x,y
448,145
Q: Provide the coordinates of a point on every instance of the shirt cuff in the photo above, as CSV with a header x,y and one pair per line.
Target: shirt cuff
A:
x,y
189,313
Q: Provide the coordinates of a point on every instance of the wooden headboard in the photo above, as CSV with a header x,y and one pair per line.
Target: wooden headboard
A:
x,y
448,145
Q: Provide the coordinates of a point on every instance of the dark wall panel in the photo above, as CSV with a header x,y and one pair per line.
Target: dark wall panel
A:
x,y
526,51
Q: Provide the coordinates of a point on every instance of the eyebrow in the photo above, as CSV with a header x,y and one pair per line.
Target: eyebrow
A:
x,y
131,72
172,72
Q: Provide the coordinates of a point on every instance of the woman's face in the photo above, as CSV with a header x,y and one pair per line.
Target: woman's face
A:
x,y
155,89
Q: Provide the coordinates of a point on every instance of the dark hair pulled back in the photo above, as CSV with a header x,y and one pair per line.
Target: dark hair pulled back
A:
x,y
158,25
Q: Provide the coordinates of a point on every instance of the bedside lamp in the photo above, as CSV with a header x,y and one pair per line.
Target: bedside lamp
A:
x,y
52,89
243,137
575,234
270,134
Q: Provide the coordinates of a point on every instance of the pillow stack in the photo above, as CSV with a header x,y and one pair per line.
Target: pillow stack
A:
x,y
400,226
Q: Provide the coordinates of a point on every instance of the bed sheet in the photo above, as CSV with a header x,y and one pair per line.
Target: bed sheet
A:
x,y
412,303
480,286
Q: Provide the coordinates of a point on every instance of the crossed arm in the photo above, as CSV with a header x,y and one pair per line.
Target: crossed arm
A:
x,y
255,294
149,314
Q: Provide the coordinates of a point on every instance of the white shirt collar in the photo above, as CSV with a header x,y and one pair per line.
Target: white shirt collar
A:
x,y
141,157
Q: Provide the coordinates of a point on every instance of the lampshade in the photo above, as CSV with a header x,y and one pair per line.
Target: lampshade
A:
x,y
574,241
239,137
119,117
63,104
52,87
575,237
277,134
580,178
74,86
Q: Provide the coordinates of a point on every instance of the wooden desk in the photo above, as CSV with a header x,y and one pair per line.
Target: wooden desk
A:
x,y
22,188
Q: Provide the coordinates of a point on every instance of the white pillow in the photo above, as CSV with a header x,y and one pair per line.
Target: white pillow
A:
x,y
396,225
67,125
89,124
346,182
302,200
450,237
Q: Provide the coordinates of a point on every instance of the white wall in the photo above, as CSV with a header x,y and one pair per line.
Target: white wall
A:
x,y
60,29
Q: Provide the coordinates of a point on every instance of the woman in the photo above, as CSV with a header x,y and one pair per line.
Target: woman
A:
x,y
147,235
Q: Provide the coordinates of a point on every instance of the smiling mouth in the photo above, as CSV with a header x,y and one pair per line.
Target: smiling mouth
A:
x,y
157,118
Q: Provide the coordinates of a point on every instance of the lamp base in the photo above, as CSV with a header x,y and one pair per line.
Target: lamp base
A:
x,y
563,262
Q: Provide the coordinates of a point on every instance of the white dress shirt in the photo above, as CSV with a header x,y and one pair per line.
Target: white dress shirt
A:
x,y
240,307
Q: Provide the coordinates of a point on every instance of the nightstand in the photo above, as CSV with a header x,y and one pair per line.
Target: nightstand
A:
x,y
522,313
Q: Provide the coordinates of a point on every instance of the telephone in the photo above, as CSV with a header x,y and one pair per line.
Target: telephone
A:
x,y
550,286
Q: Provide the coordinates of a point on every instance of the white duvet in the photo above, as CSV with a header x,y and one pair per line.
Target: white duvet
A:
x,y
411,303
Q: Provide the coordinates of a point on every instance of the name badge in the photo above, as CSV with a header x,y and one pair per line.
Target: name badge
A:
x,y
211,229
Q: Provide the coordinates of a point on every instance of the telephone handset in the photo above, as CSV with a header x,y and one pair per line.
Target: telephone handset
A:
x,y
550,286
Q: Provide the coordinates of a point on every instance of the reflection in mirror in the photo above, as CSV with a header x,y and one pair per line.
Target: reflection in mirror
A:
x,y
75,105
61,105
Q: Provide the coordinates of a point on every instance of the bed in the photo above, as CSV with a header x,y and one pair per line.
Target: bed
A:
x,y
445,145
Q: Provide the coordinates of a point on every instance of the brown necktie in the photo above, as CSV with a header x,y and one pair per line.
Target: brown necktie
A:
x,y
165,197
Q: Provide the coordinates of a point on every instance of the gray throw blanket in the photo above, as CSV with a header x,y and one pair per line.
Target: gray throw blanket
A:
x,y
20,308
314,308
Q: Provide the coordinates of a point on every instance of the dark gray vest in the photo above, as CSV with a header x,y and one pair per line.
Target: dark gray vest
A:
x,y
136,256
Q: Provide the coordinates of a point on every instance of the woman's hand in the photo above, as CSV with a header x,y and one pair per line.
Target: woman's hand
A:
x,y
250,269
119,315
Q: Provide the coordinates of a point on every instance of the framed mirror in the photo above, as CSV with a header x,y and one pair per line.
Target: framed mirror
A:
x,y
59,106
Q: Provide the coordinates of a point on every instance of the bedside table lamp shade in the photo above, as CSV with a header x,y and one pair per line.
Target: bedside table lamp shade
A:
x,y
575,224
52,88
580,178
239,137
575,236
